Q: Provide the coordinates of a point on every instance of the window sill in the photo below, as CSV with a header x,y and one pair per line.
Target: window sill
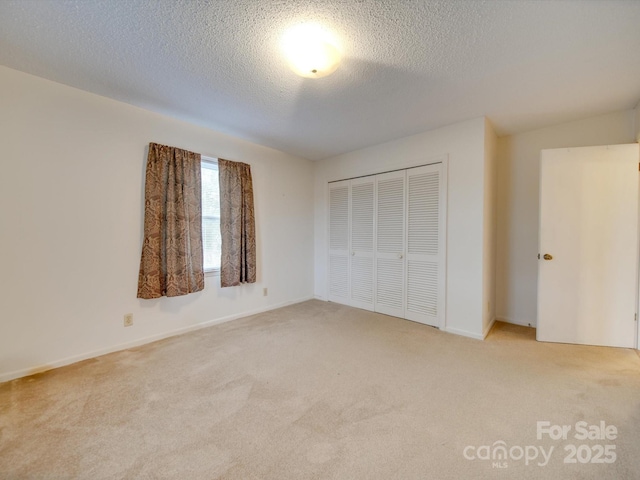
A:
x,y
212,273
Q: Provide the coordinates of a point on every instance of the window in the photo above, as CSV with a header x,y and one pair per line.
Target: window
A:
x,y
211,238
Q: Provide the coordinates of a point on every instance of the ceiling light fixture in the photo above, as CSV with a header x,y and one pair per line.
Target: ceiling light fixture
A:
x,y
311,51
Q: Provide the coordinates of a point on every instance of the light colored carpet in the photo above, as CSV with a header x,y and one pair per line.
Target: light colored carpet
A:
x,y
322,391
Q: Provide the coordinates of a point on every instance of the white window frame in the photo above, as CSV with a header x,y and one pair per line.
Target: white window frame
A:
x,y
205,161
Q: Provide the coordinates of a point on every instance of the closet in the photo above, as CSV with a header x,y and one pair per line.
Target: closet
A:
x,y
387,243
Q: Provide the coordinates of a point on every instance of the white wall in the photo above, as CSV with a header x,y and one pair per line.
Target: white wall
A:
x,y
71,205
637,122
463,144
518,184
489,229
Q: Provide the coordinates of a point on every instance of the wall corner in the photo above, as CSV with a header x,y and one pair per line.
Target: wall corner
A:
x,y
489,224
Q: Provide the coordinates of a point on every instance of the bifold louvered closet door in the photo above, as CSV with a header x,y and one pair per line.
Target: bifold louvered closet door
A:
x,y
362,241
339,223
425,245
386,243
390,240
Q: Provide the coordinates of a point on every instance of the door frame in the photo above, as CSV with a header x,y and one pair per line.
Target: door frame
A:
x,y
637,346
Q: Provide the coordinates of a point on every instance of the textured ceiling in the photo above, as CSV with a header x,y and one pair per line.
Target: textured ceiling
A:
x,y
408,66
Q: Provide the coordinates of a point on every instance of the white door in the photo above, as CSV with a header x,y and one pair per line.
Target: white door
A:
x,y
362,239
425,245
339,242
390,244
587,285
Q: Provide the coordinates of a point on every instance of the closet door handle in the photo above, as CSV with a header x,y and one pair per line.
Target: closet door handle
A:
x,y
353,254
400,256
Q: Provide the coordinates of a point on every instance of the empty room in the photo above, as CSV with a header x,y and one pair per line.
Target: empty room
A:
x,y
319,239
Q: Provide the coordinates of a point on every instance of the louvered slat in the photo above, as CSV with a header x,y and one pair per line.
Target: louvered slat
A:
x,y
338,276
362,279
423,213
339,218
422,287
362,217
390,234
390,273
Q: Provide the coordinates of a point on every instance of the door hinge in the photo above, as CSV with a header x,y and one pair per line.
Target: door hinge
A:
x,y
635,317
639,167
538,256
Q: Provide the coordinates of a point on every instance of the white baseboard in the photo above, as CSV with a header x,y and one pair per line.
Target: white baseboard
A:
x,y
5,377
320,297
464,333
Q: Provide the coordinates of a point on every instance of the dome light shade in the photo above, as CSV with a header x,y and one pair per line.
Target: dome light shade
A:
x,y
311,51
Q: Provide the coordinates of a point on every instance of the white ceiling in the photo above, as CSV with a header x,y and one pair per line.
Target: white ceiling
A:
x,y
409,65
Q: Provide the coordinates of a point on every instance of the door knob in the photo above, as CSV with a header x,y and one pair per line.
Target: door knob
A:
x,y
353,254
546,256
400,255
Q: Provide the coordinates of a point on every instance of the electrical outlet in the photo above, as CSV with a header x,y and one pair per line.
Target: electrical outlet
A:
x,y
265,292
128,320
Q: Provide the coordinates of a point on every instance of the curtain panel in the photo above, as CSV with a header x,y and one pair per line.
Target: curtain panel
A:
x,y
237,224
171,263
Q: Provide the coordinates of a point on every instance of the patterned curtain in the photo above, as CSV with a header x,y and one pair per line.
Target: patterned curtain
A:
x,y
237,224
171,262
